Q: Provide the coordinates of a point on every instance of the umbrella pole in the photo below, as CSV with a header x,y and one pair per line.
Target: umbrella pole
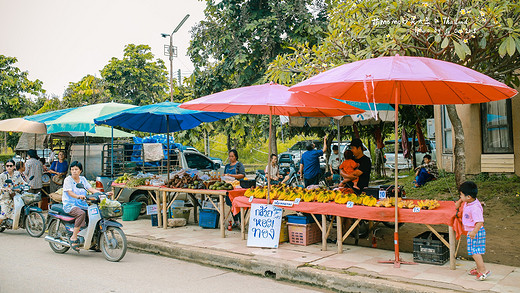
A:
x,y
396,223
112,153
269,157
397,261
168,147
85,152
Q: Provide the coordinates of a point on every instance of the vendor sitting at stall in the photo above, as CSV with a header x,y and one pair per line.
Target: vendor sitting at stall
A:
x,y
236,170
363,171
427,171
58,171
275,171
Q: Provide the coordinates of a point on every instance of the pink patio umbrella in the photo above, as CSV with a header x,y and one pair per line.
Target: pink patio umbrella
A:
x,y
406,80
271,99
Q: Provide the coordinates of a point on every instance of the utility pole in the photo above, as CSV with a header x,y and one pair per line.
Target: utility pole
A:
x,y
173,51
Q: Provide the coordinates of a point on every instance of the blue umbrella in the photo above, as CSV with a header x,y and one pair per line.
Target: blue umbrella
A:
x,y
163,117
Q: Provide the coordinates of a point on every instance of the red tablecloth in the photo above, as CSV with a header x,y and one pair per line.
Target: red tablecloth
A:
x,y
443,215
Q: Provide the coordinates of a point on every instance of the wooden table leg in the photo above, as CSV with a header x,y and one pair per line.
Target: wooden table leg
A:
x,y
339,233
222,228
159,209
453,262
324,233
164,207
242,224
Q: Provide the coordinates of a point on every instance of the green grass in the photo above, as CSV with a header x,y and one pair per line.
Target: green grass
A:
x,y
504,188
253,153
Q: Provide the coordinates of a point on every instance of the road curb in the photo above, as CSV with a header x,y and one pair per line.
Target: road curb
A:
x,y
343,281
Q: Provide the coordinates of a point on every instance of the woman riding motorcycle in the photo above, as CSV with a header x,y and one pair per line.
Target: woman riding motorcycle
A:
x,y
6,199
74,200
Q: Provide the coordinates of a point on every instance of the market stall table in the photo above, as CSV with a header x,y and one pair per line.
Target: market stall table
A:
x,y
153,192
206,192
443,215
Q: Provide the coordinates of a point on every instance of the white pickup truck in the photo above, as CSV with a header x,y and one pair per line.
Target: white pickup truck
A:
x,y
126,160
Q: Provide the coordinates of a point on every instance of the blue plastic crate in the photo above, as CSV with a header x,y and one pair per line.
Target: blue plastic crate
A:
x,y
208,218
294,219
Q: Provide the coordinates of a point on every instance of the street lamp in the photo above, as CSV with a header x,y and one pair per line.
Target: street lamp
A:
x,y
171,52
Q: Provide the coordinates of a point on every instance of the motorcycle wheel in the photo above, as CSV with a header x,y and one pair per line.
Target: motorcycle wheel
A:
x,y
35,224
113,244
2,229
260,181
57,230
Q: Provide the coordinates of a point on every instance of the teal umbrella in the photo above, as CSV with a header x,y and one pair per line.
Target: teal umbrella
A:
x,y
79,119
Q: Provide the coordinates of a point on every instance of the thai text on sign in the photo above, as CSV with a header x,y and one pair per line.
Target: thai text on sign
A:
x,y
264,225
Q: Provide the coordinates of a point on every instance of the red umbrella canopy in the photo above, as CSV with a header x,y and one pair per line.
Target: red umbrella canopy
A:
x,y
418,80
271,98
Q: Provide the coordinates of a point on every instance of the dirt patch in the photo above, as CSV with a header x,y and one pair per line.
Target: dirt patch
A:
x,y
502,228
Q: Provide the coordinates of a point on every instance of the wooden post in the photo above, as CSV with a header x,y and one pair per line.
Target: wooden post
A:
x,y
339,233
323,233
164,207
453,262
222,228
242,224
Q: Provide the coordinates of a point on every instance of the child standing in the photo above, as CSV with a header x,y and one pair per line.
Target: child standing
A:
x,y
473,222
348,166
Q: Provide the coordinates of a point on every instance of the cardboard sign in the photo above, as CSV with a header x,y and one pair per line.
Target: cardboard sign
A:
x,y
151,209
265,222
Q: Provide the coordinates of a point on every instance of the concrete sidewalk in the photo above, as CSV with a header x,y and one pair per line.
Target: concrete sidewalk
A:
x,y
356,270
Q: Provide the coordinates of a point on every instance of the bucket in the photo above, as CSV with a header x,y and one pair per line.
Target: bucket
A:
x,y
131,211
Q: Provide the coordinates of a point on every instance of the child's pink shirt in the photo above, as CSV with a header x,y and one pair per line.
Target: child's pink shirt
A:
x,y
472,213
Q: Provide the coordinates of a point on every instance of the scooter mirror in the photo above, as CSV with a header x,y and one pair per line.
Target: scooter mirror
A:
x,y
80,185
8,181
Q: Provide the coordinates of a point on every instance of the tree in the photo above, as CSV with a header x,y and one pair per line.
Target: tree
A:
x,y
14,86
235,43
89,90
137,78
482,35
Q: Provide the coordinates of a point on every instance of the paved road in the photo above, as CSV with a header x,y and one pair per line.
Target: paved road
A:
x,y
29,265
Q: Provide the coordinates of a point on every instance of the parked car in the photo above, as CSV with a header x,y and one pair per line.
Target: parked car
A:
x,y
214,159
405,163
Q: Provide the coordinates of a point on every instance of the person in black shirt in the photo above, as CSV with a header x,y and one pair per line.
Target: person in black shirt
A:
x,y
365,166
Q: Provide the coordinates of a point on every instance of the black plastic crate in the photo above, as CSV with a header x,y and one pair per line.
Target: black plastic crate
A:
x,y
427,248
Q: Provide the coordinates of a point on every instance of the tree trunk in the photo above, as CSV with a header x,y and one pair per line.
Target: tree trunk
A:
x,y
272,139
228,142
458,149
414,158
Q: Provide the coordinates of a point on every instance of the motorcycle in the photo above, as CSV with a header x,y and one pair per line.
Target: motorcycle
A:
x,y
26,214
101,233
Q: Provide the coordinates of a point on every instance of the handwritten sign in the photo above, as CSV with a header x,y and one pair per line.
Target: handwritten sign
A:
x,y
416,209
251,198
151,209
350,204
283,203
297,200
264,225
